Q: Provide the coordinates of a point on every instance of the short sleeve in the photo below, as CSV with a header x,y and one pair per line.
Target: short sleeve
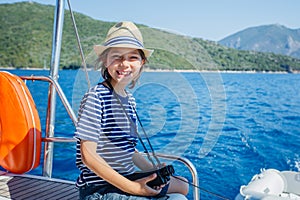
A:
x,y
89,118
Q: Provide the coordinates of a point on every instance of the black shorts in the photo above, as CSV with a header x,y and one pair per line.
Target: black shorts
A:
x,y
108,188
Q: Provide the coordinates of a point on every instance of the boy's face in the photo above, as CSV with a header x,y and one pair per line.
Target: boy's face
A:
x,y
123,64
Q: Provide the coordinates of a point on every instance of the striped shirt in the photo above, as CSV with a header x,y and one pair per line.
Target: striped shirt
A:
x,y
101,119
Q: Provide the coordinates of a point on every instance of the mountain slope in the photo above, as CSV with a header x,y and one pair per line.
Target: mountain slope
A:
x,y
269,38
26,40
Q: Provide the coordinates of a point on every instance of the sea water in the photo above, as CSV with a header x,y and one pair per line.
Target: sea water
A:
x,y
229,125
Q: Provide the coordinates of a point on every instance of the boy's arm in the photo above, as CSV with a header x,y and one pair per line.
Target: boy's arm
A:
x,y
141,162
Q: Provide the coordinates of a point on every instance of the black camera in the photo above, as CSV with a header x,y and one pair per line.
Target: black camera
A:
x,y
162,175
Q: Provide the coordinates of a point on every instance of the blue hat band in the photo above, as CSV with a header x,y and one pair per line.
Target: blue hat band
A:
x,y
123,40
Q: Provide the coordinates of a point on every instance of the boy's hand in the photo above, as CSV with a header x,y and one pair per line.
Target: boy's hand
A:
x,y
147,190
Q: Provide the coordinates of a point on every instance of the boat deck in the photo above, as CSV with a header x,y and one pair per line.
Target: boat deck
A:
x,y
34,187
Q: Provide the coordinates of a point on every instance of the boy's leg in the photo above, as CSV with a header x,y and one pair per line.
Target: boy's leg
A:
x,y
178,186
176,196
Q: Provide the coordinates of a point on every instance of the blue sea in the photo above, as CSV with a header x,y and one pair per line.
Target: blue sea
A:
x,y
229,125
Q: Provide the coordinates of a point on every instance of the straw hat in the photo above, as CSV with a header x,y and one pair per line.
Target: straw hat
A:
x,y
123,34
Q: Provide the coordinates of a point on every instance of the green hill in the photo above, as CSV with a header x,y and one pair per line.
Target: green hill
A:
x,y
26,39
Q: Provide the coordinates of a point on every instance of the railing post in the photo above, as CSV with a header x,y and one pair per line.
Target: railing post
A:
x,y
54,68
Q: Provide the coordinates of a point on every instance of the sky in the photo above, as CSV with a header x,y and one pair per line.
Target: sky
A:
x,y
206,19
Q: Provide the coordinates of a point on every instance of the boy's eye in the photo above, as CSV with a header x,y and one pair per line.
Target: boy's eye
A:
x,y
134,57
128,57
116,57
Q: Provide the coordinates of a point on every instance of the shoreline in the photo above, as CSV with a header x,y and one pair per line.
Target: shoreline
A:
x,y
223,71
183,71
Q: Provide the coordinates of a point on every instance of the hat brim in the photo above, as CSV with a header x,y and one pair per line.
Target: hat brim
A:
x,y
99,49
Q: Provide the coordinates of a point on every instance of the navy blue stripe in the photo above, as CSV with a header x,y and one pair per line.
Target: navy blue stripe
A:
x,y
123,40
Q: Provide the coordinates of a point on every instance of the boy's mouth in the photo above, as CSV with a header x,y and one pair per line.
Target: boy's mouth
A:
x,y
124,73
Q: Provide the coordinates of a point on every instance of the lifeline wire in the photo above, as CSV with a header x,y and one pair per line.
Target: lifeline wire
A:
x,y
79,45
209,192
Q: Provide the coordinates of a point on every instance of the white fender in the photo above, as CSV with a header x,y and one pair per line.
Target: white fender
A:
x,y
268,182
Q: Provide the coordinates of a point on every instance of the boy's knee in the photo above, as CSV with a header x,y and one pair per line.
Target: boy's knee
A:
x,y
185,186
180,185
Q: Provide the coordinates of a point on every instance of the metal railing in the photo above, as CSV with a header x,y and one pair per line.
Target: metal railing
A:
x,y
59,91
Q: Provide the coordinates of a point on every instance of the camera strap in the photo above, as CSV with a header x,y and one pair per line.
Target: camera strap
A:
x,y
152,150
133,124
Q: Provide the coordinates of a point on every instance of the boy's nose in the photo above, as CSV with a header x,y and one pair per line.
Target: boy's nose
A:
x,y
124,62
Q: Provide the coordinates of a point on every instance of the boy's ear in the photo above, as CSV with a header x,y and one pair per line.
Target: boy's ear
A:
x,y
104,62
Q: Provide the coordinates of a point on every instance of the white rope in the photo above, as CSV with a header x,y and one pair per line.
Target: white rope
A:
x,y
33,122
79,45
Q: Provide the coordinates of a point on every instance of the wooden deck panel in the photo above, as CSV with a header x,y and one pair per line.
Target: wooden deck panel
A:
x,y
32,190
28,188
36,189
